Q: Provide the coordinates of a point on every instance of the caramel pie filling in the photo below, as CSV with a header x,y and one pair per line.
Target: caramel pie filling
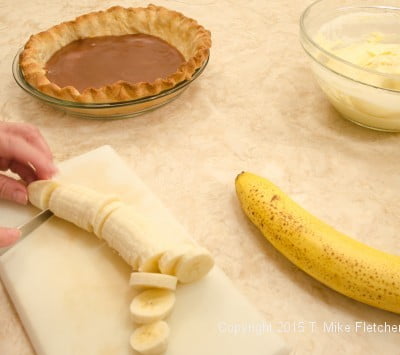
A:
x,y
100,61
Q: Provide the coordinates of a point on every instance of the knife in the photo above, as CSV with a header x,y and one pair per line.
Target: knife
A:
x,y
29,227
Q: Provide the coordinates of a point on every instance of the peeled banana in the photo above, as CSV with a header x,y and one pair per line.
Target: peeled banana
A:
x,y
341,263
40,191
141,240
78,205
102,216
126,231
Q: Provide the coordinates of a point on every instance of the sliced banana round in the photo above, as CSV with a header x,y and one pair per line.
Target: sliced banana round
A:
x,y
151,339
193,265
152,305
170,258
140,280
39,192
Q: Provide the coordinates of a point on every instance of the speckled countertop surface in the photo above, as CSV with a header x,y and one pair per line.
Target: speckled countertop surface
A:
x,y
256,107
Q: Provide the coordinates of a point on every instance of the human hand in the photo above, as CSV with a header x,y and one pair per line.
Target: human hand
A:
x,y
23,151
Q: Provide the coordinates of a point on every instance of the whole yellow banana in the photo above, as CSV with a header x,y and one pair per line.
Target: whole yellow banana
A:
x,y
352,268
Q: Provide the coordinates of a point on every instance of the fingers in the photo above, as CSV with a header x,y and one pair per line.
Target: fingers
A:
x,y
30,134
24,171
13,190
4,164
15,148
8,236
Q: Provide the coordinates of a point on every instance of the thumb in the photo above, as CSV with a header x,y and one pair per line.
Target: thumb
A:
x,y
13,190
8,236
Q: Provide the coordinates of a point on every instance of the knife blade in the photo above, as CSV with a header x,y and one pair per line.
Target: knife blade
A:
x,y
29,227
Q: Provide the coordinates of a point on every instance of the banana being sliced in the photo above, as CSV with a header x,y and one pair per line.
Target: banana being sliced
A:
x,y
152,280
193,265
151,339
170,258
150,264
39,192
152,305
103,214
78,205
148,243
128,232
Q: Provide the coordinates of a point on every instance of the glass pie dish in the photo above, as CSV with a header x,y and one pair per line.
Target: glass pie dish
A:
x,y
354,47
113,110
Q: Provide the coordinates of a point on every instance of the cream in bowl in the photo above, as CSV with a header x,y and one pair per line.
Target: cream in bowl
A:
x,y
354,48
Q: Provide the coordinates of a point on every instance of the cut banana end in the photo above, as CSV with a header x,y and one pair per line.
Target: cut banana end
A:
x,y
151,339
170,258
39,192
150,264
102,216
152,305
140,280
78,205
194,265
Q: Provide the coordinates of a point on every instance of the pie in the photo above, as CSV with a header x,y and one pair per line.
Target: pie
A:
x,y
115,55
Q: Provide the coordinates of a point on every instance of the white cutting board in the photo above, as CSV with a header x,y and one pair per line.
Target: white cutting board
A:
x,y
71,290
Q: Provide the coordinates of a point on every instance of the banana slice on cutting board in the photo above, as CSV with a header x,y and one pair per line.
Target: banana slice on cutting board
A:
x,y
189,263
194,265
78,204
152,305
39,192
151,339
168,261
140,280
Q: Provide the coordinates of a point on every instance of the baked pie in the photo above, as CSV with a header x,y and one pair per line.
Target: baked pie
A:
x,y
115,55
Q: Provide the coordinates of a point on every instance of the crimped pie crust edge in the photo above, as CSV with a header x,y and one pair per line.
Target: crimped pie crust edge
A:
x,y
190,38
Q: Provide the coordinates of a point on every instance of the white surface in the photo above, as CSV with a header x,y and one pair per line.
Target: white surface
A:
x,y
71,291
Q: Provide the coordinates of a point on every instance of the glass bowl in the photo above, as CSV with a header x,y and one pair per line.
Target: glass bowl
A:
x,y
113,110
362,93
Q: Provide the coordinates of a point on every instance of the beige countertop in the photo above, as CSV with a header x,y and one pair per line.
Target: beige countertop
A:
x,y
257,108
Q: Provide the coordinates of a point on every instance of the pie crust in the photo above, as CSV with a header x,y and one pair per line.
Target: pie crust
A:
x,y
185,34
